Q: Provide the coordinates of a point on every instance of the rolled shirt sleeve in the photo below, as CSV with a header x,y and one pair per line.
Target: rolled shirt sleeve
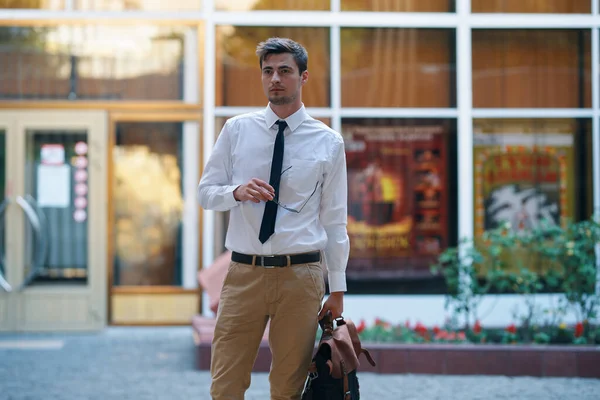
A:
x,y
215,191
334,218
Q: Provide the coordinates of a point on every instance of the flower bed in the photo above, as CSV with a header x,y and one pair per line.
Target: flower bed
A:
x,y
417,350
384,332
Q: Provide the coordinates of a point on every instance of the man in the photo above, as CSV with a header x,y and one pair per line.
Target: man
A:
x,y
282,174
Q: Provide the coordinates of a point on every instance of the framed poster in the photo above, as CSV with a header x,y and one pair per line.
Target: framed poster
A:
x,y
523,177
397,199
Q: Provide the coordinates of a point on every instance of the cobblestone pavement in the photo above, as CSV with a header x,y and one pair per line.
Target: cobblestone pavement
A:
x,y
158,363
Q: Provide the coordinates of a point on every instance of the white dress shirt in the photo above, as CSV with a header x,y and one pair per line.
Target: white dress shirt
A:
x,y
314,155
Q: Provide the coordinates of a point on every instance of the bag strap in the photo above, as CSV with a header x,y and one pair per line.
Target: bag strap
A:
x,y
347,393
368,355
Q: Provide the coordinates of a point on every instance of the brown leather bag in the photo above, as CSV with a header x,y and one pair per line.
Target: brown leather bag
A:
x,y
332,373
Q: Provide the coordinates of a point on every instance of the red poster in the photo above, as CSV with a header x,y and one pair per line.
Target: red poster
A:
x,y
397,200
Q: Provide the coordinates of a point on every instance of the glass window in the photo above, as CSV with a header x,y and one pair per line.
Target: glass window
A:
x,y
59,211
389,67
139,5
148,203
531,6
288,5
399,5
401,200
238,78
532,68
92,62
33,4
526,170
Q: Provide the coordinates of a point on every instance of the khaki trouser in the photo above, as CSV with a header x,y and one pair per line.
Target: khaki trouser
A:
x,y
291,297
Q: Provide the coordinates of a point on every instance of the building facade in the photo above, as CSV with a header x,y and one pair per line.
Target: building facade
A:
x,y
109,109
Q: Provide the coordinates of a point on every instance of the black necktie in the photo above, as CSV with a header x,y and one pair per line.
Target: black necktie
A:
x,y
267,226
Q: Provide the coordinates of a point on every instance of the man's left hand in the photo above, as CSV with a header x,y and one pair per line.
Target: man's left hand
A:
x,y
335,303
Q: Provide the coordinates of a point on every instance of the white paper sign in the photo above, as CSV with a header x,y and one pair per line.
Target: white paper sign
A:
x,y
53,154
54,186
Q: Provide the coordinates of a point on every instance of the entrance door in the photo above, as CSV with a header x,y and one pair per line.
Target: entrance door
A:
x,y
53,220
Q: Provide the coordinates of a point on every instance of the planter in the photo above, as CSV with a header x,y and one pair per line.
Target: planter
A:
x,y
447,359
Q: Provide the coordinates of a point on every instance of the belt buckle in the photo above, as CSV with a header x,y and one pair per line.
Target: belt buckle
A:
x,y
262,262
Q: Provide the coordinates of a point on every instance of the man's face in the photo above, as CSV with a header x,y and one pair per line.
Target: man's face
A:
x,y
281,79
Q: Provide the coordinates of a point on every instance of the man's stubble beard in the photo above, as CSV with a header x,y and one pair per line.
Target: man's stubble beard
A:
x,y
282,100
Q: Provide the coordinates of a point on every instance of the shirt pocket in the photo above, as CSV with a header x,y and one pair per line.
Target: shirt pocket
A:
x,y
301,179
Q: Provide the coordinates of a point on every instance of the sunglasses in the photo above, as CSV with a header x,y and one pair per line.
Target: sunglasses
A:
x,y
293,209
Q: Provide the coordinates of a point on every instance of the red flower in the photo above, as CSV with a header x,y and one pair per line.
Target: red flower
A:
x,y
441,335
436,329
462,336
579,329
477,327
361,327
511,328
407,324
378,321
420,329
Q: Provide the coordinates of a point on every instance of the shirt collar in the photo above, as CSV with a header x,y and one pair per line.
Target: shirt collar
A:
x,y
293,121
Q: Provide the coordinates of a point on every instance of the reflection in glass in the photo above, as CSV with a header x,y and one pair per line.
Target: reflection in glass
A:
x,y
238,77
287,5
148,203
92,62
389,67
56,213
398,5
532,68
532,6
529,172
139,5
401,176
32,4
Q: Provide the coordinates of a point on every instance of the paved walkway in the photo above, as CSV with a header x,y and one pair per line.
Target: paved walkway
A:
x,y
158,363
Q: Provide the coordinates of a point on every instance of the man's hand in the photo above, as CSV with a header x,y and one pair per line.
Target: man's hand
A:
x,y
335,303
255,190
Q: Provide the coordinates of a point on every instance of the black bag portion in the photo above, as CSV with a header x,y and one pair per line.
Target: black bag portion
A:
x,y
332,373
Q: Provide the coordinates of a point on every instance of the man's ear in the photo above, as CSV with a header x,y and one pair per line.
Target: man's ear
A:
x,y
304,77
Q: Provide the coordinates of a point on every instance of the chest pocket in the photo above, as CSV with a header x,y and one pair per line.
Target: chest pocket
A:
x,y
300,179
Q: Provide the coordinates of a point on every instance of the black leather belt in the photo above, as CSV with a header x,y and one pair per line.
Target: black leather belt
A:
x,y
276,260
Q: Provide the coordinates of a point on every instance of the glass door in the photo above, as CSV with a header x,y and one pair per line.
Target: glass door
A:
x,y
54,220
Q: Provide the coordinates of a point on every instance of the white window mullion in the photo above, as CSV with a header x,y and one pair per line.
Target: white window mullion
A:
x,y
596,134
594,7
382,112
336,77
523,21
336,6
208,137
191,148
466,205
532,113
316,112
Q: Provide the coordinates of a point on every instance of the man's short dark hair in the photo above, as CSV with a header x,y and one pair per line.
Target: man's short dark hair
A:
x,y
276,45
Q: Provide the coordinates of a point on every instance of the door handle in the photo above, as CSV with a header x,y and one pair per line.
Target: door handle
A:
x,y
34,220
3,282
45,233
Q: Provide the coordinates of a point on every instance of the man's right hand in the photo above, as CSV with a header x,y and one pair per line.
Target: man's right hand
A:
x,y
255,190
